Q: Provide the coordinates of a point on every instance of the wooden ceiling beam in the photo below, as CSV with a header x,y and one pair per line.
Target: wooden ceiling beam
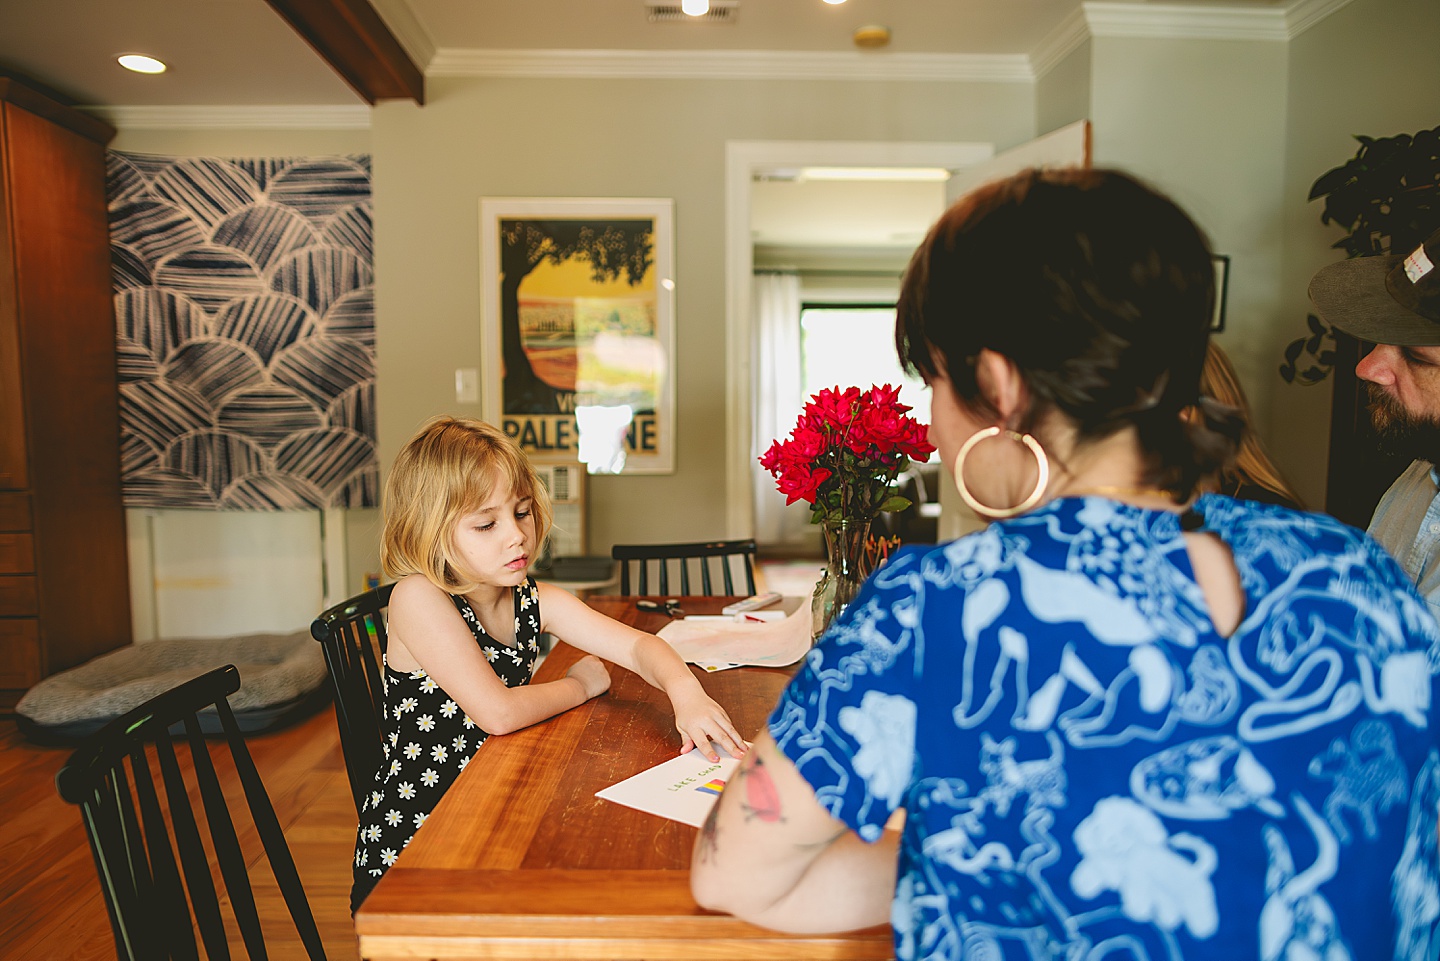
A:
x,y
350,36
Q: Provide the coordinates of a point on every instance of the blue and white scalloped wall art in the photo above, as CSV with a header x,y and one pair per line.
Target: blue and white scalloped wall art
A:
x,y
244,308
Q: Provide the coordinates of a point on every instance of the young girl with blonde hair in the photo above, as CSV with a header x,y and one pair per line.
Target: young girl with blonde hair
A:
x,y
464,516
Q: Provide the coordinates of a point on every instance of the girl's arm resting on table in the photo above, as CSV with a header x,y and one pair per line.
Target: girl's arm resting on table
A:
x,y
425,628
771,855
698,718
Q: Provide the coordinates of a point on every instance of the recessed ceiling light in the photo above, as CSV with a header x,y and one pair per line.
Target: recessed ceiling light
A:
x,y
695,8
141,64
834,1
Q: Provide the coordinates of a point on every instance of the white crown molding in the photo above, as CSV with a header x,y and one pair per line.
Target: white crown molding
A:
x,y
1175,21
730,65
1095,18
1106,18
1304,14
407,29
338,117
1059,43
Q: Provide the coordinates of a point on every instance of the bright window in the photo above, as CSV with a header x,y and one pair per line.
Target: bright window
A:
x,y
853,345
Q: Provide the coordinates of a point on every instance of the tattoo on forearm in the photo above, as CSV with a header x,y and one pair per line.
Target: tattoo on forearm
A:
x,y
709,834
761,799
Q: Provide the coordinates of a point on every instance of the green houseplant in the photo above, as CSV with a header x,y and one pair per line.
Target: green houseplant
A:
x,y
1387,198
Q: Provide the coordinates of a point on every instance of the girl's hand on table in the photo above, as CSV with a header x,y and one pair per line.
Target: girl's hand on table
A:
x,y
590,671
700,721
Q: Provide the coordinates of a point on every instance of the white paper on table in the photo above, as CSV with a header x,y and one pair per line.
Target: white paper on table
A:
x,y
710,667
681,789
741,617
762,643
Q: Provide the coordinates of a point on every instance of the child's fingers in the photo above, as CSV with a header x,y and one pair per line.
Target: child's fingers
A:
x,y
706,748
720,735
710,728
733,743
699,735
726,736
687,744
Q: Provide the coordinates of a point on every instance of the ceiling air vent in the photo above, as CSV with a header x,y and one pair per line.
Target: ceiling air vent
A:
x,y
721,11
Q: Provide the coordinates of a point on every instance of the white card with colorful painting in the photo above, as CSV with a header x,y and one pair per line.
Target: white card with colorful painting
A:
x,y
681,789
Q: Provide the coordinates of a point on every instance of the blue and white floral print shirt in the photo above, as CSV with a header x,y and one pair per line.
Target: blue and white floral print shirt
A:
x,y
1089,770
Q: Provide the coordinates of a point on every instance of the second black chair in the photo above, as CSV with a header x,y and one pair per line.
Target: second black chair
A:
x,y
143,829
734,561
352,635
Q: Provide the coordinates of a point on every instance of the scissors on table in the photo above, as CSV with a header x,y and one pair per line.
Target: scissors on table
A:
x,y
670,608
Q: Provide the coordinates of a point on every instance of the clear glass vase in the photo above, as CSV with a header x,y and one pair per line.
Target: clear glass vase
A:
x,y
847,564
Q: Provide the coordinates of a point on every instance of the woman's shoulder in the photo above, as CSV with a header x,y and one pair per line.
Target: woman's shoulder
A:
x,y
1260,519
1261,494
1290,542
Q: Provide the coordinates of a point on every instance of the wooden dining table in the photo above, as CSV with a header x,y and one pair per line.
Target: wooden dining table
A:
x,y
521,860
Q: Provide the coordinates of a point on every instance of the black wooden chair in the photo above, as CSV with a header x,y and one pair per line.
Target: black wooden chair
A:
x,y
143,838
352,635
729,558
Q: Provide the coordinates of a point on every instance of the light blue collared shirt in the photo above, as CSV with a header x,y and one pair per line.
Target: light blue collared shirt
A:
x,y
1407,524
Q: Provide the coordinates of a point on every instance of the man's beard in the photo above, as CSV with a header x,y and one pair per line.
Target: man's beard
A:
x,y
1402,432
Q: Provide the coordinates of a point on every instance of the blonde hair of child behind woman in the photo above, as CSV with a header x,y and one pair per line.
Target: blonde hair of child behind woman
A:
x,y
1252,465
451,467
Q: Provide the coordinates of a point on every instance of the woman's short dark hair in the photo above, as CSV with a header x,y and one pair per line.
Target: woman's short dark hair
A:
x,y
1099,289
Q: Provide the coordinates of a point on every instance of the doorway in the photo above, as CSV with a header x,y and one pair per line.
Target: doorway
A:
x,y
830,246
760,162
969,163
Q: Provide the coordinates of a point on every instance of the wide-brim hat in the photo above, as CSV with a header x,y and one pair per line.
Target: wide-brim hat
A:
x,y
1385,300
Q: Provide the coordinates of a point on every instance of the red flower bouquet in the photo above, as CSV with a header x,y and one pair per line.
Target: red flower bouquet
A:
x,y
843,457
846,451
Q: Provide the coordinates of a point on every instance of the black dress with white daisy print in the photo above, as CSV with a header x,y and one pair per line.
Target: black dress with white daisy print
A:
x,y
428,741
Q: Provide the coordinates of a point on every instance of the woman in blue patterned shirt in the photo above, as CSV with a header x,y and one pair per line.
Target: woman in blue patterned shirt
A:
x,y
1124,720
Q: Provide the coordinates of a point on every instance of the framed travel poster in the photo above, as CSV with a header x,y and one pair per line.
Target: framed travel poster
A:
x,y
577,309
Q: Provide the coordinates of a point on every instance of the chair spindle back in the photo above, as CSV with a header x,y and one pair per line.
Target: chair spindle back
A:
x,y
153,866
728,558
352,635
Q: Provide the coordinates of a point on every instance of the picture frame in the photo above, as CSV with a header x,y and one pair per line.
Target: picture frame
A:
x,y
578,321
1222,290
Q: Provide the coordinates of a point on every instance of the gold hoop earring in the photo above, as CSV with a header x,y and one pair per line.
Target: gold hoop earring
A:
x,y
1042,464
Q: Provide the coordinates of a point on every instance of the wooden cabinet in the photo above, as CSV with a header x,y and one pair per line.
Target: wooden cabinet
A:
x,y
64,582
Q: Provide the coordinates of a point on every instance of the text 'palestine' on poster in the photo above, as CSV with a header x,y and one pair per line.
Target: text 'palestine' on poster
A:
x,y
559,434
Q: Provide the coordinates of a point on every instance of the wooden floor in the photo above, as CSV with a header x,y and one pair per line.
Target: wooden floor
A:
x,y
50,902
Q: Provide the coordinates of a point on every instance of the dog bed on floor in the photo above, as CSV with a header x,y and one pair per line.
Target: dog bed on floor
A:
x,y
282,678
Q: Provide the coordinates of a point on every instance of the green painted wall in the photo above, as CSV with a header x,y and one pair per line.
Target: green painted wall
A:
x,y
1062,95
610,138
1235,130
1204,121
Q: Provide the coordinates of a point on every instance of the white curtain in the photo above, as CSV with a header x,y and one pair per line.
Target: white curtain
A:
x,y
777,400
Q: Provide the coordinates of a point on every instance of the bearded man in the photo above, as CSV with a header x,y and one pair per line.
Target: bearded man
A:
x,y
1394,302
